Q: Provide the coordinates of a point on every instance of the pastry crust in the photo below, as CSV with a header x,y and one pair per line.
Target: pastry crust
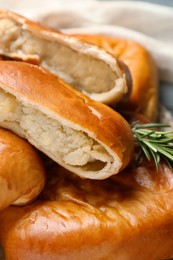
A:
x,y
84,136
123,217
22,175
88,68
144,95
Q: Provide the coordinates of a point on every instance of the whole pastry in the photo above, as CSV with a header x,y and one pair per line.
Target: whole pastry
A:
x,y
22,174
128,216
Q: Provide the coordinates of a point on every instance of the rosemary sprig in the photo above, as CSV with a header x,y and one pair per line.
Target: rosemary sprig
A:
x,y
154,142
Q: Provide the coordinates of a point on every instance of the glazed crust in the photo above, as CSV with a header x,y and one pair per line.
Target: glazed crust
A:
x,y
144,96
41,91
88,68
123,217
22,175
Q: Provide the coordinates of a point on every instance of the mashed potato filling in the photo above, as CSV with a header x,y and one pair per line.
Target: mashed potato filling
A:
x,y
57,57
73,147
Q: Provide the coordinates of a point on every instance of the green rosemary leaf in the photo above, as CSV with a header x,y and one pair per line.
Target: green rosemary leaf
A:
x,y
156,157
154,143
165,153
147,132
151,125
163,140
167,149
146,152
151,146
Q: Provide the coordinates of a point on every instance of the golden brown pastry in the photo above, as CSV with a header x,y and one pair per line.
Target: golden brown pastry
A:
x,y
22,175
84,136
144,96
88,68
126,217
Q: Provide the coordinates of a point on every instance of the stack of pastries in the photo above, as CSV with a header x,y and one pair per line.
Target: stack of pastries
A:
x,y
67,153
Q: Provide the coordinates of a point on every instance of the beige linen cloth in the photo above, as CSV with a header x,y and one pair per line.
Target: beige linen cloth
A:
x,y
149,24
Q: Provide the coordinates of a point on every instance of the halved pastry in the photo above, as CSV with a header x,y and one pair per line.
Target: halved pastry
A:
x,y
88,68
84,136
